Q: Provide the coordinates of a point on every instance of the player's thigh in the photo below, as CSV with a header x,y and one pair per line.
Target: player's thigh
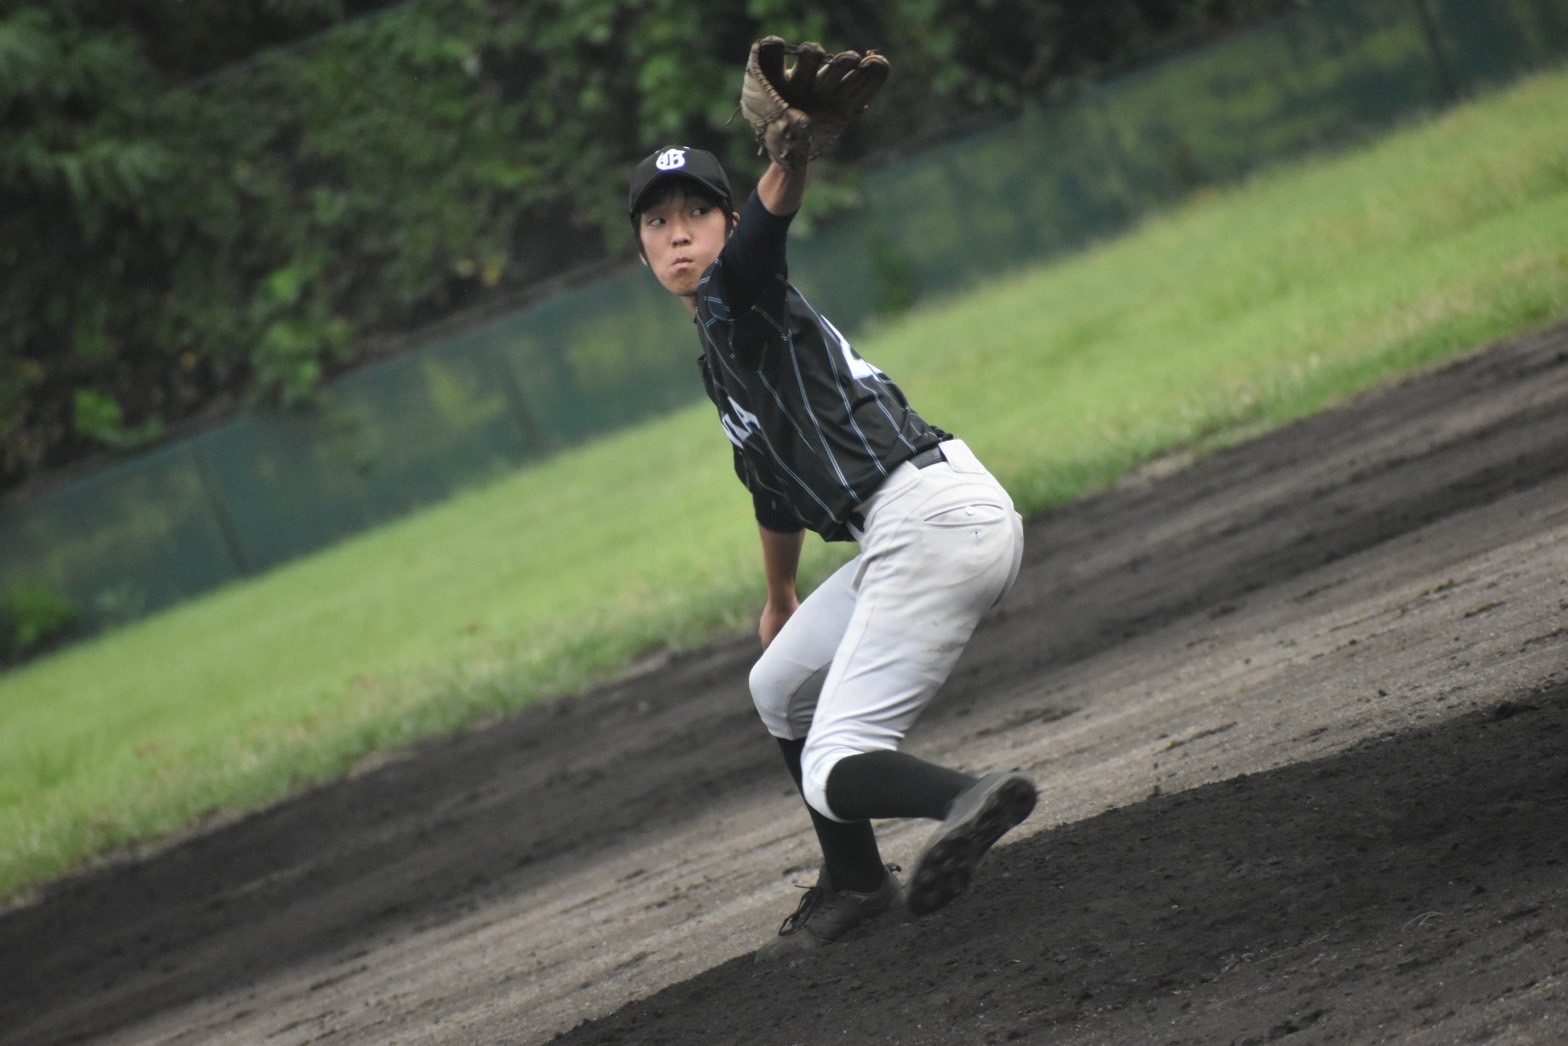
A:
x,y
787,679
925,585
912,618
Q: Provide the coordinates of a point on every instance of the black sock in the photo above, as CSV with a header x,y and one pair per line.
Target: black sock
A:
x,y
892,784
849,849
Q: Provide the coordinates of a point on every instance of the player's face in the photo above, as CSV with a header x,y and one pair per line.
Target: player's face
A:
x,y
681,236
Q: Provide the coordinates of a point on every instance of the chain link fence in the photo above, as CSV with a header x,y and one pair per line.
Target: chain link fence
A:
x,y
468,407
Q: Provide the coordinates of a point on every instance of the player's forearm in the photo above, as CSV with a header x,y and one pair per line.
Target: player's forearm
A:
x,y
780,562
782,190
780,557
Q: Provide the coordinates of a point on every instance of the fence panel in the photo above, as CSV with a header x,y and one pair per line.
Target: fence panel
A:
x,y
471,405
133,538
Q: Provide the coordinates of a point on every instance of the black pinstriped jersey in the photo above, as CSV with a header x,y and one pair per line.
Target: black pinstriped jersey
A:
x,y
816,429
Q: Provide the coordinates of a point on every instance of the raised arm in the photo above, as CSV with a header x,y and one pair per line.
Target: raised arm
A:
x,y
782,190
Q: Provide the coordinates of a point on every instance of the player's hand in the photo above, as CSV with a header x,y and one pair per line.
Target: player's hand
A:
x,y
774,616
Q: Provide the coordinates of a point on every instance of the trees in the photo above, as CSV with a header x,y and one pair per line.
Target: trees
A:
x,y
78,170
206,203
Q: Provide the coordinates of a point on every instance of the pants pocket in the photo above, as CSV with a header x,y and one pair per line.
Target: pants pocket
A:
x,y
968,546
975,514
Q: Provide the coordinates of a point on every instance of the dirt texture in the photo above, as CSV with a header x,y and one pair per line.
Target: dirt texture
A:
x,y
1299,716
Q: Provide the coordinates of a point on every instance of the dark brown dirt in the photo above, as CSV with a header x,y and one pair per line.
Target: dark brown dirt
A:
x,y
1299,712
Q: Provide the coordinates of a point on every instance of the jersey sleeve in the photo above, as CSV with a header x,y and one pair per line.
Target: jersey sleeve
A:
x,y
754,258
769,505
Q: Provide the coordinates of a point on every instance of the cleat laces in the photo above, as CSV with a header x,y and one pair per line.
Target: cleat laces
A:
x,y
796,919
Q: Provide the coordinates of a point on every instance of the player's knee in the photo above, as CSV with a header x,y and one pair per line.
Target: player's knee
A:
x,y
815,794
771,699
816,763
785,701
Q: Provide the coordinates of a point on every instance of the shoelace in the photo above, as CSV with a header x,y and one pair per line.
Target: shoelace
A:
x,y
794,920
808,904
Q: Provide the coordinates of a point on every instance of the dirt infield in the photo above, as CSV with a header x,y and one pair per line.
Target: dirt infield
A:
x,y
1299,714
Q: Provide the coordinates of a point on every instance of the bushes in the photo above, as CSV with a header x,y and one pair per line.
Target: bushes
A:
x,y
175,247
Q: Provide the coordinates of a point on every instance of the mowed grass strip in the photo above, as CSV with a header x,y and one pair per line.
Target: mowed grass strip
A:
x,y
1237,311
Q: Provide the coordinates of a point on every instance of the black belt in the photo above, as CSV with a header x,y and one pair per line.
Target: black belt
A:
x,y
929,456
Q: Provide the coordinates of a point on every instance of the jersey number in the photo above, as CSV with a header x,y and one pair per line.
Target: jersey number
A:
x,y
859,369
741,425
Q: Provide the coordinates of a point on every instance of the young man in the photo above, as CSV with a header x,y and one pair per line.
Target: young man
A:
x,y
826,442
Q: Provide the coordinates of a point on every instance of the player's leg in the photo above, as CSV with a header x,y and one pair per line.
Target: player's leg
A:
x,y
902,643
854,884
786,680
850,854
941,547
785,684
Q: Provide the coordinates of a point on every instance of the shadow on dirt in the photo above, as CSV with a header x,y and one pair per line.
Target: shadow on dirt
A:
x,y
1441,847
1434,849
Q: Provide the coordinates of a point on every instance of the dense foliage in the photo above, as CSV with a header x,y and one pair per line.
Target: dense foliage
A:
x,y
205,203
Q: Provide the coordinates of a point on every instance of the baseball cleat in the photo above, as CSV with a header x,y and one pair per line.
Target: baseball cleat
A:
x,y
825,914
988,810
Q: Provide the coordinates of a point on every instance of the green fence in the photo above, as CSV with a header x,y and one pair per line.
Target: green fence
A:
x,y
265,488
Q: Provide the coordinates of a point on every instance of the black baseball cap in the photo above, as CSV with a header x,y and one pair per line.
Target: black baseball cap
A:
x,y
679,161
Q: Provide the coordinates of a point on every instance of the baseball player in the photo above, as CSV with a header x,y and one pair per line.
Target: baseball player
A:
x,y
826,442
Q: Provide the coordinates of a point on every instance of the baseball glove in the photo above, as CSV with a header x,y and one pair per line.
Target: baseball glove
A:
x,y
801,112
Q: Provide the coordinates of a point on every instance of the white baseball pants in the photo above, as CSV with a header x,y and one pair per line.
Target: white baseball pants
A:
x,y
866,652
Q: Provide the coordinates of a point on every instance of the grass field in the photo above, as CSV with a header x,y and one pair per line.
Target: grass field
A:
x,y
1240,310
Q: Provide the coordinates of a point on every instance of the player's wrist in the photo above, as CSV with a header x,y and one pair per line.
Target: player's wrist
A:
x,y
783,600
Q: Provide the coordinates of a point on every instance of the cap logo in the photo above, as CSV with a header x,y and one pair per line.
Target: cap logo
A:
x,y
671,160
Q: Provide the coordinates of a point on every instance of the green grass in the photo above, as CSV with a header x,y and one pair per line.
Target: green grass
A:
x,y
1238,311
